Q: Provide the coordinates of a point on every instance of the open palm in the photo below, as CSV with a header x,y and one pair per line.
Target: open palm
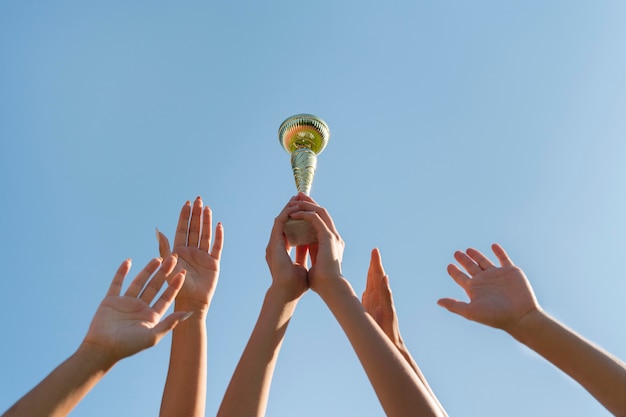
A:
x,y
499,296
125,325
192,245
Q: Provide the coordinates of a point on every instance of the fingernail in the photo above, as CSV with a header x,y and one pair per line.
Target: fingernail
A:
x,y
186,316
158,234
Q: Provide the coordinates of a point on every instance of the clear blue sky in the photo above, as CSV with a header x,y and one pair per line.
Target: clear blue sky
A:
x,y
453,124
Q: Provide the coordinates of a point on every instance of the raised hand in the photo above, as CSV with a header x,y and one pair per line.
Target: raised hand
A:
x,y
499,296
286,274
185,387
192,244
326,255
248,391
125,325
378,301
122,326
502,297
398,385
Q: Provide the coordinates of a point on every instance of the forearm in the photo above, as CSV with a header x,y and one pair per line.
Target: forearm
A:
x,y
248,391
64,387
397,385
407,355
185,387
601,374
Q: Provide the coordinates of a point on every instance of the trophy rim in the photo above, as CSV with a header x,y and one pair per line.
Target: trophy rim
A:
x,y
304,119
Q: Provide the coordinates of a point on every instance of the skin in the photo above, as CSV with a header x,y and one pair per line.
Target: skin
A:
x,y
377,300
122,326
397,384
185,388
400,390
248,391
502,297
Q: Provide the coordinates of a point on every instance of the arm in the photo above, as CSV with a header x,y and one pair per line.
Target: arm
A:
x,y
399,389
249,387
121,327
185,388
502,297
377,300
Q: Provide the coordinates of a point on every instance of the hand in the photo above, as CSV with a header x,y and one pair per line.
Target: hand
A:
x,y
378,301
288,275
125,325
192,243
500,297
326,255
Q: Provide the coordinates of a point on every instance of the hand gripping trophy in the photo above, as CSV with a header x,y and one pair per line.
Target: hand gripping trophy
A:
x,y
304,136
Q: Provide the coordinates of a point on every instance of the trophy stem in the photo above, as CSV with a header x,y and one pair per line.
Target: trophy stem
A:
x,y
303,162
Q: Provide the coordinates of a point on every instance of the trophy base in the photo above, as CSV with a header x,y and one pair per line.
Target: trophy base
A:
x,y
299,232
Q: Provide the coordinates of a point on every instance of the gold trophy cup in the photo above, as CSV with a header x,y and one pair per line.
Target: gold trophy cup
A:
x,y
304,136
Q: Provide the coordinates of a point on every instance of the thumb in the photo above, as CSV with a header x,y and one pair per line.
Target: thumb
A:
x,y
164,244
455,306
168,323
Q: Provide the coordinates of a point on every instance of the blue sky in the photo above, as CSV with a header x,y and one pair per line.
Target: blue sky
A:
x,y
453,124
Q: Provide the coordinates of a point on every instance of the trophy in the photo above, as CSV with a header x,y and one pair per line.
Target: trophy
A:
x,y
304,136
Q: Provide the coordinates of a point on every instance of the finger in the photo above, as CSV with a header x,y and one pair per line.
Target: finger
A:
x,y
180,238
304,197
277,235
218,243
194,225
164,244
301,252
168,296
501,254
313,249
321,227
466,262
153,286
205,237
386,290
142,277
118,279
480,259
322,213
455,306
458,276
375,271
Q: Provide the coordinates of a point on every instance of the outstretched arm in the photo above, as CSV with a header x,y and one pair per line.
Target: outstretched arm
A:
x,y
399,389
121,327
378,302
502,297
249,387
185,387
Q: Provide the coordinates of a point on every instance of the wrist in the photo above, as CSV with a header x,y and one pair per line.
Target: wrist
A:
x,y
337,287
526,326
284,294
95,356
199,308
